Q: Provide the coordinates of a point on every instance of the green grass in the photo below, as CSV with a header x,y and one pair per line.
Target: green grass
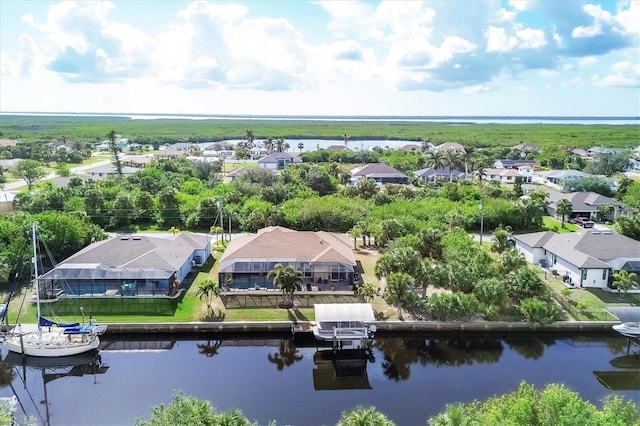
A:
x,y
555,225
305,314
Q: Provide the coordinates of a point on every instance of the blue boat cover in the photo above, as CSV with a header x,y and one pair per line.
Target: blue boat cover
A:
x,y
48,323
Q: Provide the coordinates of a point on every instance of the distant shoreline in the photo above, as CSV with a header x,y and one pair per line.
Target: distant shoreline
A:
x,y
462,119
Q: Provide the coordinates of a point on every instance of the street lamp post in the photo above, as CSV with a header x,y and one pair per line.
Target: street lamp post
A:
x,y
221,225
481,222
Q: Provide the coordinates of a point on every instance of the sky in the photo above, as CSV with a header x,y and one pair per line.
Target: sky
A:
x,y
337,58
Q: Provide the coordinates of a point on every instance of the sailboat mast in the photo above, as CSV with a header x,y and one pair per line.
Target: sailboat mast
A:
x,y
35,268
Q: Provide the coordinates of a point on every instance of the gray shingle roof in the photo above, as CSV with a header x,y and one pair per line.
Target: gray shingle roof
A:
x,y
593,249
377,169
535,239
273,158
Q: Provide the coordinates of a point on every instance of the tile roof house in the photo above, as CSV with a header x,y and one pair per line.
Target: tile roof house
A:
x,y
106,171
381,173
503,175
130,265
584,204
324,258
278,160
450,146
586,258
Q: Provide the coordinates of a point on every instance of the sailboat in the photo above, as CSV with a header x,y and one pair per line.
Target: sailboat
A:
x,y
50,338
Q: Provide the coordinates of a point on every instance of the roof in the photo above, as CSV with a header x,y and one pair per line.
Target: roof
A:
x,y
332,312
132,253
450,146
527,146
564,174
515,163
593,249
337,148
583,201
502,172
376,169
276,156
111,170
431,172
277,243
535,239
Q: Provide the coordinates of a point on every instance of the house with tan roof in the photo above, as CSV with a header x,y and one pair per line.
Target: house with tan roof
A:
x,y
450,146
325,259
588,258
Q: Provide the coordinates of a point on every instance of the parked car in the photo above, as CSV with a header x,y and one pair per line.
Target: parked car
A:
x,y
584,222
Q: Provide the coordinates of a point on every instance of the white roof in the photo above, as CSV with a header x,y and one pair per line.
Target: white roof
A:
x,y
344,312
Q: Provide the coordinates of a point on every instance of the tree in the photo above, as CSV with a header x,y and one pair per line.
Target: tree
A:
x,y
368,291
501,240
29,170
608,163
355,232
629,226
300,146
399,291
624,280
364,416
286,278
208,290
435,160
454,161
564,208
454,415
113,146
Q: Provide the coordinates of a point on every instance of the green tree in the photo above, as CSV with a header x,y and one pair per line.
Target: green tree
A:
x,y
435,160
115,151
285,278
624,281
355,232
399,291
454,415
501,240
539,311
364,416
28,170
368,291
208,290
564,208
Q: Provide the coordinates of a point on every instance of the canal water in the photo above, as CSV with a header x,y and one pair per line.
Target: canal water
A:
x,y
295,382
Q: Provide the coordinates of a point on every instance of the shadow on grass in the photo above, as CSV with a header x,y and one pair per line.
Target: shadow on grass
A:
x,y
380,316
295,315
612,297
214,315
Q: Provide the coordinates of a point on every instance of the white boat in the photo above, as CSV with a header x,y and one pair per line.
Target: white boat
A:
x,y
50,338
629,329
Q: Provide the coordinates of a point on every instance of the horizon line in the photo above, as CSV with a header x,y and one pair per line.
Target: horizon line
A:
x,y
125,114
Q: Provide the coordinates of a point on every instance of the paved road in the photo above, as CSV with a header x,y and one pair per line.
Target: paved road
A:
x,y
19,184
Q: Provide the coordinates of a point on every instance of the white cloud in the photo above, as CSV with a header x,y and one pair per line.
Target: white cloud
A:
x,y
525,38
478,88
505,15
531,39
520,5
625,74
574,82
629,18
599,16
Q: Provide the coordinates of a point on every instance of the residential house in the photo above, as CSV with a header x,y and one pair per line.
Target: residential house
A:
x,y
503,175
278,160
526,147
240,171
325,259
337,148
582,153
138,161
585,259
187,147
412,147
432,175
450,146
130,265
525,167
556,178
166,154
584,204
106,171
379,172
601,150
65,144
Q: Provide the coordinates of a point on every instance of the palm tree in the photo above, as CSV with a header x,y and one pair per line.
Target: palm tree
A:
x,y
454,415
564,209
624,280
364,416
346,139
355,232
368,291
249,137
208,290
268,145
435,160
453,160
300,146
286,278
399,291
280,145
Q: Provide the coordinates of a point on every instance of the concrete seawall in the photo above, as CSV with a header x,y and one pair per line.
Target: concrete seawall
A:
x,y
195,328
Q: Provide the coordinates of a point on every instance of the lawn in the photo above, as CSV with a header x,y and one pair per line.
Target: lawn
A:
x,y
555,225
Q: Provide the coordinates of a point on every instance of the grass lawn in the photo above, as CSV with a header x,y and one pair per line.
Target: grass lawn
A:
x,y
555,225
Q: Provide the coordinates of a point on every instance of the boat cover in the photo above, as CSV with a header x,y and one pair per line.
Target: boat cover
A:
x,y
344,312
626,313
44,322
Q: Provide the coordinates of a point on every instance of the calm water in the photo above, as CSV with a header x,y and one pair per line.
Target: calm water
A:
x,y
279,379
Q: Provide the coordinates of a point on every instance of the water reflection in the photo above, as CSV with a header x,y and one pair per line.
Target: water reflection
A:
x,y
394,376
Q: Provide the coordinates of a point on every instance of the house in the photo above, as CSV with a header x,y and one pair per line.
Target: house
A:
x,y
596,150
582,153
503,175
103,172
187,147
278,160
337,148
412,147
525,167
450,146
241,171
584,204
65,144
170,153
586,258
380,173
130,265
325,259
526,147
138,161
431,174
557,177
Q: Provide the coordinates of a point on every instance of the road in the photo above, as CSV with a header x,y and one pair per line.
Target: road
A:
x,y
19,184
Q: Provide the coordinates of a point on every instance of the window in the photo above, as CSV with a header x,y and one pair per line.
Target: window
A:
x,y
584,274
604,274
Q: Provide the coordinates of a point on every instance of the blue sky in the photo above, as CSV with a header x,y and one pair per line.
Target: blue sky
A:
x,y
456,57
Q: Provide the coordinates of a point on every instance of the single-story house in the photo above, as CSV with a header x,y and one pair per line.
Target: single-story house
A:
x,y
65,144
106,171
325,259
278,160
139,161
557,177
450,146
336,148
515,164
379,172
431,174
526,147
585,258
584,204
130,265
